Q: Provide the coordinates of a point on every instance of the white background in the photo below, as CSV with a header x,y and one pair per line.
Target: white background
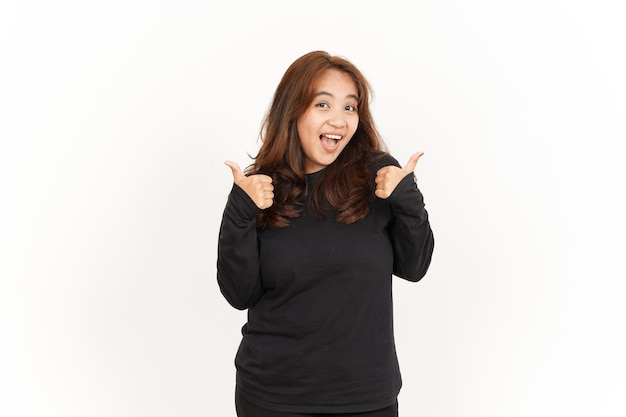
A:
x,y
115,120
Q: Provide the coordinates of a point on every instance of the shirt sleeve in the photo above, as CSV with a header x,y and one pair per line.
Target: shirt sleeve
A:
x,y
238,273
411,236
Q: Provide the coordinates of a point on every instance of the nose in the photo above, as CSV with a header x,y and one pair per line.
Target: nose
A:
x,y
337,118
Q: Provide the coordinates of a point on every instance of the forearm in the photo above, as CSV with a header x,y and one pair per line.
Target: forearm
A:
x,y
238,254
411,235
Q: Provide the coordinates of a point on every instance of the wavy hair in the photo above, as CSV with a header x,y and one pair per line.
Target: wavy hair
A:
x,y
345,187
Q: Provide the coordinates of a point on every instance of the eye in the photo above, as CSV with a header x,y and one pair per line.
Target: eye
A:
x,y
350,108
322,104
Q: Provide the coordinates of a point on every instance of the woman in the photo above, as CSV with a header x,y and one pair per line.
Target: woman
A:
x,y
311,235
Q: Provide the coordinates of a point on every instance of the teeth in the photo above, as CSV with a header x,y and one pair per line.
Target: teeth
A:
x,y
335,137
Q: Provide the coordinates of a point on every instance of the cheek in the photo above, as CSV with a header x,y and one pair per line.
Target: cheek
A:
x,y
305,126
353,129
355,125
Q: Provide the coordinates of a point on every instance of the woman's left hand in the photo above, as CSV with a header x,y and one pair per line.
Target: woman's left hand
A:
x,y
388,178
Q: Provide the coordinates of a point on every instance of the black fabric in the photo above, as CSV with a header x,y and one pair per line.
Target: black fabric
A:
x,y
319,336
247,409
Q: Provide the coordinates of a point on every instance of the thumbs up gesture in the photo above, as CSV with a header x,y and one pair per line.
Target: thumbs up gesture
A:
x,y
387,178
258,187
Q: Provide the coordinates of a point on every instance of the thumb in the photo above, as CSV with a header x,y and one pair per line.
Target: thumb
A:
x,y
237,173
410,166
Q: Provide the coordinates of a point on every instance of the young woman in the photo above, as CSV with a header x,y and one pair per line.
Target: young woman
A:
x,y
311,235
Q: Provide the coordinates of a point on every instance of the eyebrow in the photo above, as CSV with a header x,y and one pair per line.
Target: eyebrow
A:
x,y
326,93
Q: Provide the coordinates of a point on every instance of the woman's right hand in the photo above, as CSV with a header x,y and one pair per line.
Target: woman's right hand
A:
x,y
258,187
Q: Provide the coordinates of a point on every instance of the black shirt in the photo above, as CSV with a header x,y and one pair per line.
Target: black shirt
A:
x,y
319,336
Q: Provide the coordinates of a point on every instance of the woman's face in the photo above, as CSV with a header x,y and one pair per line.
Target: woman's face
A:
x,y
329,122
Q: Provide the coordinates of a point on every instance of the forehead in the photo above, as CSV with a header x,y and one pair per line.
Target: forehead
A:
x,y
337,83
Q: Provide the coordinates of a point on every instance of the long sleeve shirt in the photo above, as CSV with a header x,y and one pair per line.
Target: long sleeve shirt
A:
x,y
319,334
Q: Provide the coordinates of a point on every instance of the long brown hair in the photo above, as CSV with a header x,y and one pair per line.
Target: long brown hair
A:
x,y
346,185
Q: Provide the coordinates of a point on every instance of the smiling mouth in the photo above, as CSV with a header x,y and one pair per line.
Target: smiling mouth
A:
x,y
330,142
